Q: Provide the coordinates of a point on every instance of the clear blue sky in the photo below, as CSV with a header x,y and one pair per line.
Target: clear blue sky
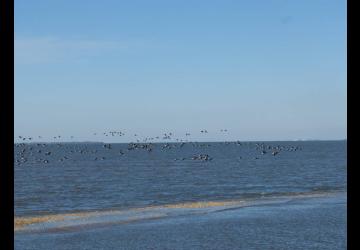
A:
x,y
264,70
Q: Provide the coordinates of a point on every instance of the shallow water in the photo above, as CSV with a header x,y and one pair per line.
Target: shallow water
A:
x,y
300,223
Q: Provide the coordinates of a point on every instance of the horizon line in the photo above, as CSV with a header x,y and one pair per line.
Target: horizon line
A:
x,y
294,140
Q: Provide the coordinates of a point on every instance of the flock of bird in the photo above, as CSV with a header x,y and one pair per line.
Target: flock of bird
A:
x,y
41,152
166,136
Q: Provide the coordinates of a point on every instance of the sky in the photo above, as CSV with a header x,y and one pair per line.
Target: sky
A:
x,y
263,70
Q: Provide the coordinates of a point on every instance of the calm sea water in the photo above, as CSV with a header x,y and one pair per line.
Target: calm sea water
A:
x,y
253,195
67,177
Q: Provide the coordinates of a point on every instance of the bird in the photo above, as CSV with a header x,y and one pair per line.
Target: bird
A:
x,y
275,153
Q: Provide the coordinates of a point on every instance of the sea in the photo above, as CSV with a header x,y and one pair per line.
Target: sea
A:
x,y
189,195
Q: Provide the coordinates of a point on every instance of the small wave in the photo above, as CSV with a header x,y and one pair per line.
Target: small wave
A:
x,y
202,204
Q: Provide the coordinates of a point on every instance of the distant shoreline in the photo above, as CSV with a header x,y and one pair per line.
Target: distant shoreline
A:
x,y
232,141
